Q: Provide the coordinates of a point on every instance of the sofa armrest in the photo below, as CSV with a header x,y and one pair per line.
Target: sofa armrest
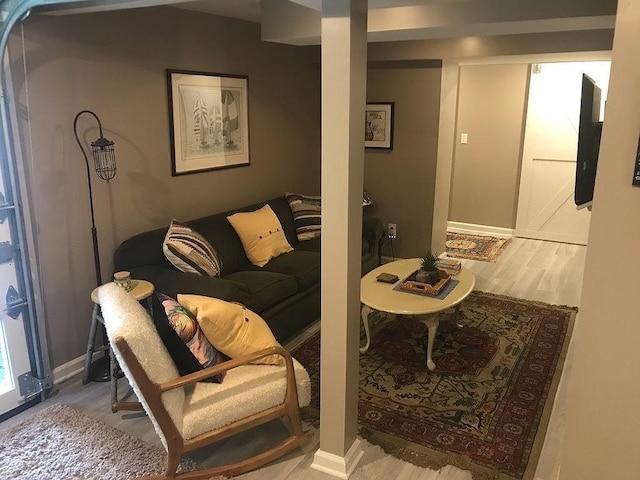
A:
x,y
173,282
372,231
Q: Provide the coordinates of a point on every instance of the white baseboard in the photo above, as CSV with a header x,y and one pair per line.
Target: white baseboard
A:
x,y
341,467
68,370
472,228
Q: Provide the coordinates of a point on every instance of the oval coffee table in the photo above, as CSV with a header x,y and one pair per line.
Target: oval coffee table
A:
x,y
382,297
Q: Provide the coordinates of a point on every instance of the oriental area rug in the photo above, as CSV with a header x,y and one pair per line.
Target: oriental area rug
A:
x,y
484,248
486,406
61,442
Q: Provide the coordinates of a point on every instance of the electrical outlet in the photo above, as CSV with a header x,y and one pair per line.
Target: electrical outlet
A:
x,y
392,231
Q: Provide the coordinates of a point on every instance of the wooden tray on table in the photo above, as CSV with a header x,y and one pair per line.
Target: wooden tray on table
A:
x,y
410,284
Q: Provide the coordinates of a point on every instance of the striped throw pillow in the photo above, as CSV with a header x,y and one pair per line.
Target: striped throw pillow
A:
x,y
306,215
190,252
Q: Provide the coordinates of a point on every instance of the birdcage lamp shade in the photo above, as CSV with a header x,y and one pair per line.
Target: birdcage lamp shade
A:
x,y
104,158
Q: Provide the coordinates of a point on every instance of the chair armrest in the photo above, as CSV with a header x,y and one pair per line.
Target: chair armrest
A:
x,y
225,366
174,282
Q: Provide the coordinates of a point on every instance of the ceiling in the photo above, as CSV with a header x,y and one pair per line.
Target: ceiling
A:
x,y
250,9
297,22
242,9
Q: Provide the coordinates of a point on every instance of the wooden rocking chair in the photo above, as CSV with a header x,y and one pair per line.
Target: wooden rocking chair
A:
x,y
188,413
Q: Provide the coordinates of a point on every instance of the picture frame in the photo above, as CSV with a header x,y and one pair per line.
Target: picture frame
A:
x,y
208,121
378,126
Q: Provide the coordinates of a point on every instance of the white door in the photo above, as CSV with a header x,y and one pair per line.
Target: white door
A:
x,y
546,209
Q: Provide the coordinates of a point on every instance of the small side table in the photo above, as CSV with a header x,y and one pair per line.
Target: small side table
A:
x,y
141,290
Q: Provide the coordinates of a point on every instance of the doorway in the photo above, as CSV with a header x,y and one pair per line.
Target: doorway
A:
x,y
546,209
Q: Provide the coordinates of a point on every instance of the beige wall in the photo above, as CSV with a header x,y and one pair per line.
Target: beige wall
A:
x,y
114,63
401,182
602,417
486,171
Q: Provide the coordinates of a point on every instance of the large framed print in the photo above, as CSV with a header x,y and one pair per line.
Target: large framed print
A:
x,y
209,121
378,125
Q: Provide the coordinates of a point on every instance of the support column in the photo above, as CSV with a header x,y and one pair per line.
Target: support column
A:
x,y
344,69
446,149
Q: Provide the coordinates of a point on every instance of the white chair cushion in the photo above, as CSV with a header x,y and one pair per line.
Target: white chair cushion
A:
x,y
246,390
125,317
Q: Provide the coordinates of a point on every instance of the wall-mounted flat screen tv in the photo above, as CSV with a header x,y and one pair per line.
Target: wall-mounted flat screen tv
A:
x,y
589,132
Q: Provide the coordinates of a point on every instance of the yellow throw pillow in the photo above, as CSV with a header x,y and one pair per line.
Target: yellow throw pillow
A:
x,y
261,234
231,328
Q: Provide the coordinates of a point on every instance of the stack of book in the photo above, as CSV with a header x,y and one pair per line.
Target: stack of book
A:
x,y
449,265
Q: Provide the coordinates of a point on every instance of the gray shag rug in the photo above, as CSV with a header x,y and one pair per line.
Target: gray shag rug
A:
x,y
61,442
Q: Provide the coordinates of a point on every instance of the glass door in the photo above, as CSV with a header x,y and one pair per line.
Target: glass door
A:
x,y
15,365
24,364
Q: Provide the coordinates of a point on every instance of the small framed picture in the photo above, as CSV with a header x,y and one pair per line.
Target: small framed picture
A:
x,y
378,125
209,121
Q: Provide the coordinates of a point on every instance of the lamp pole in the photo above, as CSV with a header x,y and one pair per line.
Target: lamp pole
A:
x,y
104,160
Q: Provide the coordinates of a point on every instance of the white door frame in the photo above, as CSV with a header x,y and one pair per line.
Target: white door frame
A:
x,y
445,155
29,357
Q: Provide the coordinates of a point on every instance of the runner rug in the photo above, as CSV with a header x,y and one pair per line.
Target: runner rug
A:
x,y
486,406
475,247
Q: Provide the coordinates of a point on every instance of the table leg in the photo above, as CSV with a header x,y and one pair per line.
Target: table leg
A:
x,y
113,365
150,305
431,322
365,321
455,316
91,343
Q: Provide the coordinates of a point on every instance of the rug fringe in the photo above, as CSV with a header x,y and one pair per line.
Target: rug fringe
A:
x,y
424,457
535,302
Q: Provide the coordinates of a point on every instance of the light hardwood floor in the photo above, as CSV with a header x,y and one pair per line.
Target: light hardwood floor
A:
x,y
534,270
530,269
547,272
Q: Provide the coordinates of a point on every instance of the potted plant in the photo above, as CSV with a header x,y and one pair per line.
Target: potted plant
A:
x,y
428,272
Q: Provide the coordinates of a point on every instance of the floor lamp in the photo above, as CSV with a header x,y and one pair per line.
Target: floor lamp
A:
x,y
104,161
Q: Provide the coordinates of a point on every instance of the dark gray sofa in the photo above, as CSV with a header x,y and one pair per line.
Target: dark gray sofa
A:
x,y
285,292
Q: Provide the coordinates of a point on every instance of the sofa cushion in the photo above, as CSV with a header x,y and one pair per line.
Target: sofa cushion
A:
x,y
304,266
266,288
312,245
232,328
306,211
172,282
189,251
261,234
187,328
